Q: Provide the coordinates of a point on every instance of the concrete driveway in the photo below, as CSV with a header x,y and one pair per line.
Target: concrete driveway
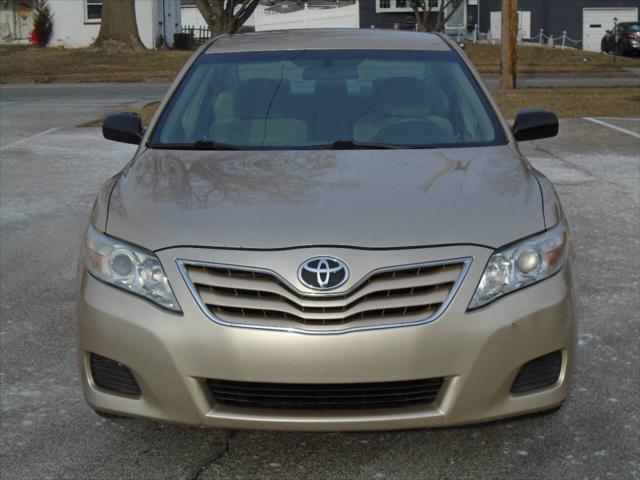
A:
x,y
47,185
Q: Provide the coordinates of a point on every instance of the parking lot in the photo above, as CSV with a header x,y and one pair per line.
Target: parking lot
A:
x,y
49,173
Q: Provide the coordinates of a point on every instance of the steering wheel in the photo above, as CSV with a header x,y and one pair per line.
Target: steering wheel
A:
x,y
414,131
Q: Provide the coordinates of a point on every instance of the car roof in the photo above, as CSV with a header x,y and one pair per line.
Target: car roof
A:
x,y
328,39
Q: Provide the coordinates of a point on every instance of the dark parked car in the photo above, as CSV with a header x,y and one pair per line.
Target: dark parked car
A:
x,y
624,39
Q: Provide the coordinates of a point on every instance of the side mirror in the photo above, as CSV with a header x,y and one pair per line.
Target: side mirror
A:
x,y
532,124
608,32
123,127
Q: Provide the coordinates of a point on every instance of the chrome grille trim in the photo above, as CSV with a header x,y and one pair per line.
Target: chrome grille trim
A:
x,y
183,264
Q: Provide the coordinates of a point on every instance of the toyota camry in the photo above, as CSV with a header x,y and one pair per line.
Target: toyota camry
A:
x,y
327,230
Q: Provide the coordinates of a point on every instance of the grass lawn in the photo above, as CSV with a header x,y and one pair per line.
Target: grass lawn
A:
x,y
537,60
573,102
33,64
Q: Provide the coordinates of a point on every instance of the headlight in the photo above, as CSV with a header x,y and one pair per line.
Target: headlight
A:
x,y
522,264
128,267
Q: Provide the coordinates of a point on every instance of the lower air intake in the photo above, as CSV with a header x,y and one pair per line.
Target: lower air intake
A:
x,y
345,396
539,373
111,375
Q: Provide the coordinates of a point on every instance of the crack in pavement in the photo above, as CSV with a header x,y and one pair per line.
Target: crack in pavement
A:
x,y
204,466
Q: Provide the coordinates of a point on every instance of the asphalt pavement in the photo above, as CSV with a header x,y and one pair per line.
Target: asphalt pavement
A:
x,y
31,109
49,174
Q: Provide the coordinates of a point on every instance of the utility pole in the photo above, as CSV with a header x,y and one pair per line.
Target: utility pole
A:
x,y
509,42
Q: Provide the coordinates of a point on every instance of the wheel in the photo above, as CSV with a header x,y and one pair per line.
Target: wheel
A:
x,y
109,416
603,47
619,49
625,48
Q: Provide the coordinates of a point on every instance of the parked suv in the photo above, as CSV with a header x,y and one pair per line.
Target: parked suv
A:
x,y
327,230
623,39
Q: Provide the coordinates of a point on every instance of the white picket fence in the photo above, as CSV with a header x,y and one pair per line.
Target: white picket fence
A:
x,y
338,17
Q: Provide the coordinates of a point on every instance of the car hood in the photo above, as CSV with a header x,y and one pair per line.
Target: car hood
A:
x,y
362,198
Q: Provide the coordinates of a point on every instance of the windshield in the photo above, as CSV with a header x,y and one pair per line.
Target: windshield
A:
x,y
634,27
327,99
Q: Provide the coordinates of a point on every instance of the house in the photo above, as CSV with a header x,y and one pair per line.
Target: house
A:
x,y
76,23
287,14
399,14
584,21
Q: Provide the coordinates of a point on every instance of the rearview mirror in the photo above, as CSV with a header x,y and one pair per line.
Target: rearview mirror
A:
x,y
532,124
123,127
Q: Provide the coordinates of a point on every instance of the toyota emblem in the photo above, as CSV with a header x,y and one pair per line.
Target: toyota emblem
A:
x,y
323,273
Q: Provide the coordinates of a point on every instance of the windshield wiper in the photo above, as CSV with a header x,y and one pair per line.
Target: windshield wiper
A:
x,y
199,145
354,145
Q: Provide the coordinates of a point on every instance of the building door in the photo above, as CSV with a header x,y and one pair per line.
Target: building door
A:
x,y
596,21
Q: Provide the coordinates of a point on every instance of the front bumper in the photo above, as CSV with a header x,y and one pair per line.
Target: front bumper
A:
x,y
478,353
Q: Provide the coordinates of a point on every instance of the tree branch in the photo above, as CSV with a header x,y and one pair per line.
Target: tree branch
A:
x,y
230,8
246,10
206,11
455,5
421,16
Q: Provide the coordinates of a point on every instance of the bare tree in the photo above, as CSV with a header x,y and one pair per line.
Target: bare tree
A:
x,y
118,28
422,9
226,16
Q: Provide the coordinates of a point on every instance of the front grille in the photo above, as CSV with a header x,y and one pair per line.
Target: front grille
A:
x,y
112,375
257,297
538,373
311,396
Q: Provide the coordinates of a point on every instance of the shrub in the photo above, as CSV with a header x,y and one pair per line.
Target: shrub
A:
x,y
42,24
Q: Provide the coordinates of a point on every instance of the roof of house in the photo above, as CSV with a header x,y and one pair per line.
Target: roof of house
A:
x,y
328,39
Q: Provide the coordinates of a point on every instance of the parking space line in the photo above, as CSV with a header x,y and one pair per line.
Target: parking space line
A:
x,y
613,127
24,140
620,119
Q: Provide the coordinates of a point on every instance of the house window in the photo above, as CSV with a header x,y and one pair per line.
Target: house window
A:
x,y
93,10
403,5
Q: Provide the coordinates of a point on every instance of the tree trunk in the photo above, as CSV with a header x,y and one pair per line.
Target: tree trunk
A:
x,y
118,29
422,14
227,18
443,16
